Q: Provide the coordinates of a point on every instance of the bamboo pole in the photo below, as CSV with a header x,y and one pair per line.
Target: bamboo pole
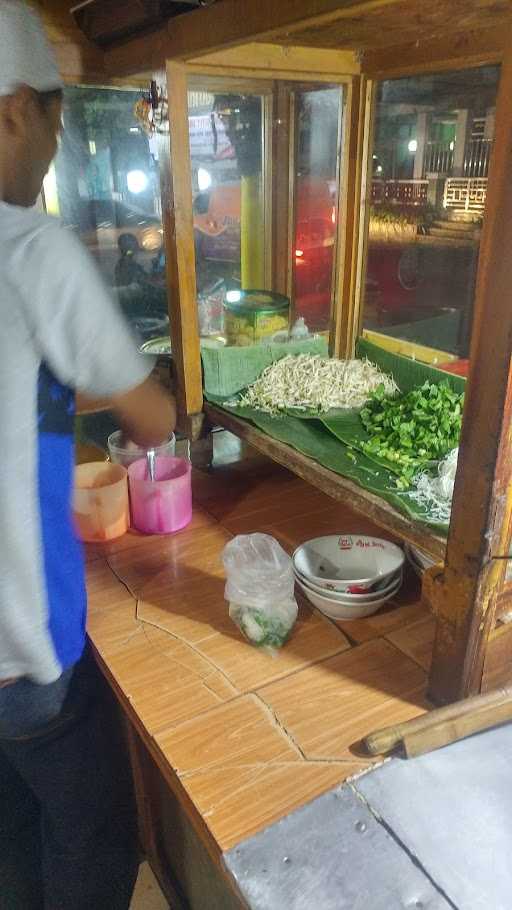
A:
x,y
492,708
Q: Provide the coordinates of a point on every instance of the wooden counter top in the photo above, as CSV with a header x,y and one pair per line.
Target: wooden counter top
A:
x,y
243,738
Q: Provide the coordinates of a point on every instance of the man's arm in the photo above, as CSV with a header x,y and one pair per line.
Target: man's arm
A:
x,y
147,413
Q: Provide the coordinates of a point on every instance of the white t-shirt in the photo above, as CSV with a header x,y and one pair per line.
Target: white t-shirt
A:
x,y
61,332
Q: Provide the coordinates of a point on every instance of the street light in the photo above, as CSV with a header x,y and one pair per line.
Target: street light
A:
x,y
136,181
204,179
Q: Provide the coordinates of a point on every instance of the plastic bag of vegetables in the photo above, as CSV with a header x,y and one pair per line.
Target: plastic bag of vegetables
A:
x,y
260,589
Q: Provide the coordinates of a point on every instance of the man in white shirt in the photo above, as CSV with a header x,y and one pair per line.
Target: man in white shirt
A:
x,y
61,336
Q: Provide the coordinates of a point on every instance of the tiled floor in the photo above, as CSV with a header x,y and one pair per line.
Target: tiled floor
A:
x,y
147,894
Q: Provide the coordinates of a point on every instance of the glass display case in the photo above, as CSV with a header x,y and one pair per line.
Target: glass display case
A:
x,y
238,182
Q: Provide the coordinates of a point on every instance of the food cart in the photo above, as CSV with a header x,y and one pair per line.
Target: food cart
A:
x,y
268,61
275,54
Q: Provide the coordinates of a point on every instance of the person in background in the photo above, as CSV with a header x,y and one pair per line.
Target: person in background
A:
x,y
65,789
128,270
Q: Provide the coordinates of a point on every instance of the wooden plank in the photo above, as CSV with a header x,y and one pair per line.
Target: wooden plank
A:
x,y
218,81
464,596
342,339
276,61
360,262
77,58
216,73
448,51
336,25
209,30
504,604
332,484
404,22
498,659
178,223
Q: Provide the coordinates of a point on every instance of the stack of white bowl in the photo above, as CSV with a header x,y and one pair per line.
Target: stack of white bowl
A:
x,y
348,576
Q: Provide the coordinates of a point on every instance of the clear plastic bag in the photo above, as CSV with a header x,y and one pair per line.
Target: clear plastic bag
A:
x,y
260,589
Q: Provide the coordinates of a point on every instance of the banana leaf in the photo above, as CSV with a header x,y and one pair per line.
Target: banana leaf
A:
x,y
312,438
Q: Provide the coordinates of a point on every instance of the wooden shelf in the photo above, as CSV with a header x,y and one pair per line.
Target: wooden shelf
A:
x,y
332,484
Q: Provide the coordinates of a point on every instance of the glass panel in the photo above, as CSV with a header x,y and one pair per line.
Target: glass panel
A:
x,y
318,118
227,160
432,145
235,174
105,187
104,184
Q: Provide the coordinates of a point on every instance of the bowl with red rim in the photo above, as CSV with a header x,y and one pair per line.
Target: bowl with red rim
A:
x,y
385,589
348,607
347,563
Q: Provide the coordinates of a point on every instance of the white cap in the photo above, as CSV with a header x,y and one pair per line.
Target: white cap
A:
x,y
25,54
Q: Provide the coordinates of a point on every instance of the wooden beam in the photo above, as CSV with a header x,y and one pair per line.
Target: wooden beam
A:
x,y
465,595
77,58
332,484
498,659
344,316
225,24
178,223
278,61
449,51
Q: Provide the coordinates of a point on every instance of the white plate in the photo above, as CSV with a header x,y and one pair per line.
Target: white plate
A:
x,y
339,561
336,610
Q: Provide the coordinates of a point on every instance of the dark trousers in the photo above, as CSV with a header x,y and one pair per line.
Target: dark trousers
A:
x,y
67,817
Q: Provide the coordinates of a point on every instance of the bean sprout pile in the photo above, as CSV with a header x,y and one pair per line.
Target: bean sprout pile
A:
x,y
309,382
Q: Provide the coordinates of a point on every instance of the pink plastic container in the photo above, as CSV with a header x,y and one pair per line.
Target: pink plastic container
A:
x,y
165,505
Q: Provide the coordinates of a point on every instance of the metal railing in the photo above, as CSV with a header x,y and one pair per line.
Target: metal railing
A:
x,y
465,194
406,192
438,158
478,155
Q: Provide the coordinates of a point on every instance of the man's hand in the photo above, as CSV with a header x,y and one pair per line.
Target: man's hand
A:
x,y
147,414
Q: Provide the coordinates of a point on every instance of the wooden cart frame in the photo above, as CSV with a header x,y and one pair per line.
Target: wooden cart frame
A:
x,y
357,43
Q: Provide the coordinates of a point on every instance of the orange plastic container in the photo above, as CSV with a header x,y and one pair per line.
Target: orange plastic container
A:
x,y
100,503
